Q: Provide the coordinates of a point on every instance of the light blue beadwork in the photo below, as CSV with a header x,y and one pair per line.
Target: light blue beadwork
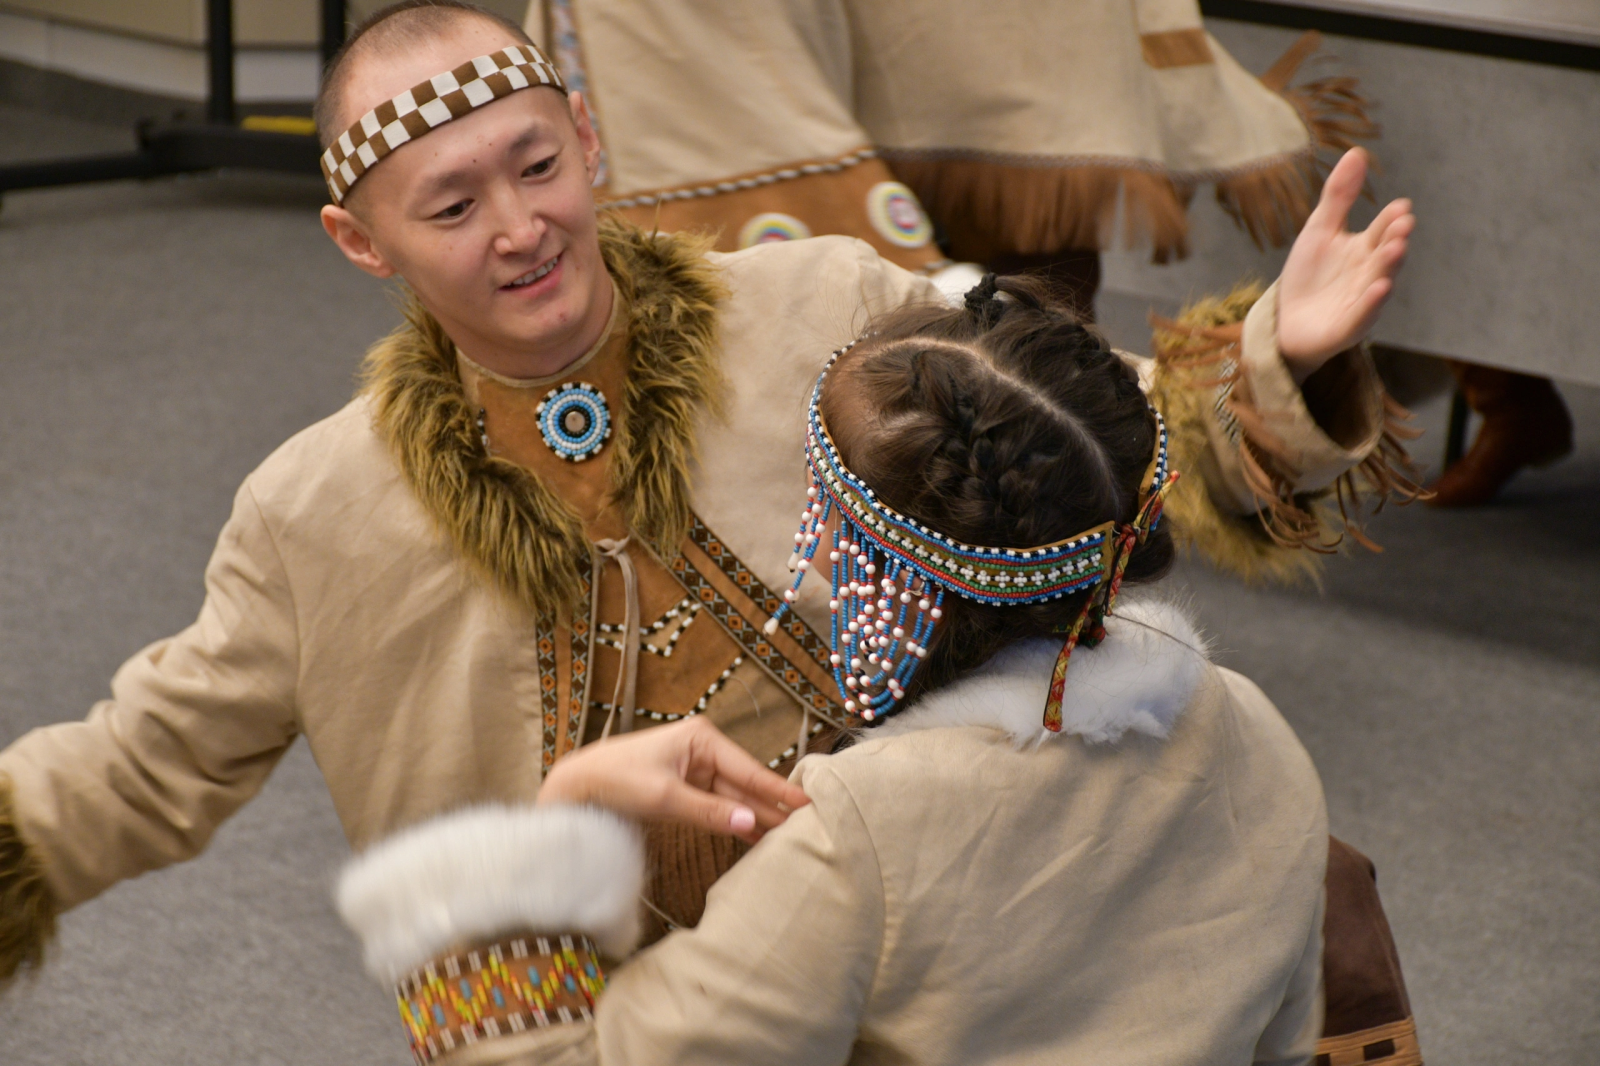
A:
x,y
575,421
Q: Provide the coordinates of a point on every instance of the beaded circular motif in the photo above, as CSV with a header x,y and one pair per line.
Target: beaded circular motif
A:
x,y
575,421
897,215
772,226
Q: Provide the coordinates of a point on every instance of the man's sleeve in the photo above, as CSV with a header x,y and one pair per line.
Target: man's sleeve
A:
x,y
193,727
1269,468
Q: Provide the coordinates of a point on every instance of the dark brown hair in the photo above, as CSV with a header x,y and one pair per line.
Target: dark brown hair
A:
x,y
1005,423
389,30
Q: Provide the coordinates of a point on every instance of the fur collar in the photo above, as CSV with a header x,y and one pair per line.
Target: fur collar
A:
x,y
509,527
1139,679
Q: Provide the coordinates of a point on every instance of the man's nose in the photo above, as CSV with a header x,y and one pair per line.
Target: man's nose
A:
x,y
520,230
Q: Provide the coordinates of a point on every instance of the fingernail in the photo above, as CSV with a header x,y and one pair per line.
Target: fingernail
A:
x,y
742,820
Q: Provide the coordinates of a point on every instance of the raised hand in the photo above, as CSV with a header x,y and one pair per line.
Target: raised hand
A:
x,y
685,772
1335,282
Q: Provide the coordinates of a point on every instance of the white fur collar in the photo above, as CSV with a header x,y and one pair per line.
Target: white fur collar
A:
x,y
490,871
1140,678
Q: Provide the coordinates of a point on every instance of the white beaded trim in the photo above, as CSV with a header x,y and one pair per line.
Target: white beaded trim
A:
x,y
756,181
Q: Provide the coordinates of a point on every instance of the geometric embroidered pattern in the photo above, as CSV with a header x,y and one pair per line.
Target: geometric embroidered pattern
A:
x,y
748,633
546,633
497,990
580,630
430,105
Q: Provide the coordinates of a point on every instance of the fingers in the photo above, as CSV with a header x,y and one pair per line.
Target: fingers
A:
x,y
741,771
1395,219
1340,191
714,814
767,815
1364,311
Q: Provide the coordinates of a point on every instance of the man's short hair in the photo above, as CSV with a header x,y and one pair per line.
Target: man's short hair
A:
x,y
389,31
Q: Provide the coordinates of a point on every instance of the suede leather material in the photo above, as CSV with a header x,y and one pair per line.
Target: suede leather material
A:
x,y
1363,985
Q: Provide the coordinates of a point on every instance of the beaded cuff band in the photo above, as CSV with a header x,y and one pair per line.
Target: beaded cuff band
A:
x,y
890,573
428,106
496,990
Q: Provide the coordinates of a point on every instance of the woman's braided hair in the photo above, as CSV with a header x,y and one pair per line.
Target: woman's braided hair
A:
x,y
1005,422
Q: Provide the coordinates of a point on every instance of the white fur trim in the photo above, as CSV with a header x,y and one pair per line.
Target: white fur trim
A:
x,y
487,871
1139,679
955,280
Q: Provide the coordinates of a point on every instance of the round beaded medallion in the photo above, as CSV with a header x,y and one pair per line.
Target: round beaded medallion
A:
x,y
897,215
575,421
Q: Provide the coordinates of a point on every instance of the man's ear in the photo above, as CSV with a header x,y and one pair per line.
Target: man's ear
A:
x,y
588,140
350,235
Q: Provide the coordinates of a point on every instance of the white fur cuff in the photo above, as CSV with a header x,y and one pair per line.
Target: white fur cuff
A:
x,y
488,871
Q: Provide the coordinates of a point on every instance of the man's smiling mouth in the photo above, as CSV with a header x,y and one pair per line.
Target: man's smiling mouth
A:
x,y
535,274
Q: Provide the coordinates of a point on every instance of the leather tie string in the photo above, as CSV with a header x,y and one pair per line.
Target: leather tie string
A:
x,y
626,690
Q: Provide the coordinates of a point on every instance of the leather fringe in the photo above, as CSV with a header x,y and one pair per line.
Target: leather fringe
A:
x,y
684,861
991,205
1271,203
510,528
1281,542
27,907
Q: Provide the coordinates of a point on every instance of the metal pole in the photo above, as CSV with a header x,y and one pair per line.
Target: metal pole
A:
x,y
333,26
219,61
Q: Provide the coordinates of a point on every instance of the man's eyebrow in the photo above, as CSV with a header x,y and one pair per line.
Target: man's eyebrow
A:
x,y
449,179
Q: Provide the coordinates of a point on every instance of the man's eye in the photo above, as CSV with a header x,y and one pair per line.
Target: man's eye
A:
x,y
541,167
455,210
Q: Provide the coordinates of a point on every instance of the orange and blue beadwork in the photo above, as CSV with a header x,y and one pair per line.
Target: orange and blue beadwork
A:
x,y
498,989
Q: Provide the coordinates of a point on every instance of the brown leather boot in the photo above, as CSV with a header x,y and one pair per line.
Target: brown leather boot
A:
x,y
1525,423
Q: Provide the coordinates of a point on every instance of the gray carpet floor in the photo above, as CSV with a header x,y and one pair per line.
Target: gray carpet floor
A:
x,y
160,339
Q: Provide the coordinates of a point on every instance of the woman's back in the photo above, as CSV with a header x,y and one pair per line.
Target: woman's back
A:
x,y
951,897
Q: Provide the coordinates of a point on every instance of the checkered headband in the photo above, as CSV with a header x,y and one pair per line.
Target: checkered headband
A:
x,y
430,105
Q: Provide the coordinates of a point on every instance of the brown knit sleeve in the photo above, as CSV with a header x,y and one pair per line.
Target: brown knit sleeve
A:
x,y
682,862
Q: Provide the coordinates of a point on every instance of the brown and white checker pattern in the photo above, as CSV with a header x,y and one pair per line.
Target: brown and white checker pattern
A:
x,y
430,105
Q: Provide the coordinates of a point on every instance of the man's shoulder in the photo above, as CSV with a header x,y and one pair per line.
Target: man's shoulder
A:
x,y
339,457
816,271
787,256
829,285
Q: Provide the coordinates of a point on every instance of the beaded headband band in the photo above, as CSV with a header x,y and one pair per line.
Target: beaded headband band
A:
x,y
428,106
881,623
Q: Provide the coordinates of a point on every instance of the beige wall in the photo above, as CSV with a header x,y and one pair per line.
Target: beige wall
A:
x,y
256,22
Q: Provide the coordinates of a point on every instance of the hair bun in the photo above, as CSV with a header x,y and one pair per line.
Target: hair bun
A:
x,y
982,300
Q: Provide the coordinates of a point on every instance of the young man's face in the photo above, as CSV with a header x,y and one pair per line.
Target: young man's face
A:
x,y
489,218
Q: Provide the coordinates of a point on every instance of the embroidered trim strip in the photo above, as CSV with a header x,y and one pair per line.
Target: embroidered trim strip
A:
x,y
497,990
754,181
748,633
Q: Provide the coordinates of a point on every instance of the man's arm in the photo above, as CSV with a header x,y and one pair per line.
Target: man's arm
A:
x,y
194,725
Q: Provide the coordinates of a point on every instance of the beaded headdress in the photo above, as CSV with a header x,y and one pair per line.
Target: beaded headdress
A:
x,y
890,573
429,105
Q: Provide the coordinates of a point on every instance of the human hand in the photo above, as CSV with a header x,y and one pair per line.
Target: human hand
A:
x,y
1335,282
685,772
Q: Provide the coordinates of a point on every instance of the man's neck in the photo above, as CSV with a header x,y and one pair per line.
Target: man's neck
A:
x,y
532,365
